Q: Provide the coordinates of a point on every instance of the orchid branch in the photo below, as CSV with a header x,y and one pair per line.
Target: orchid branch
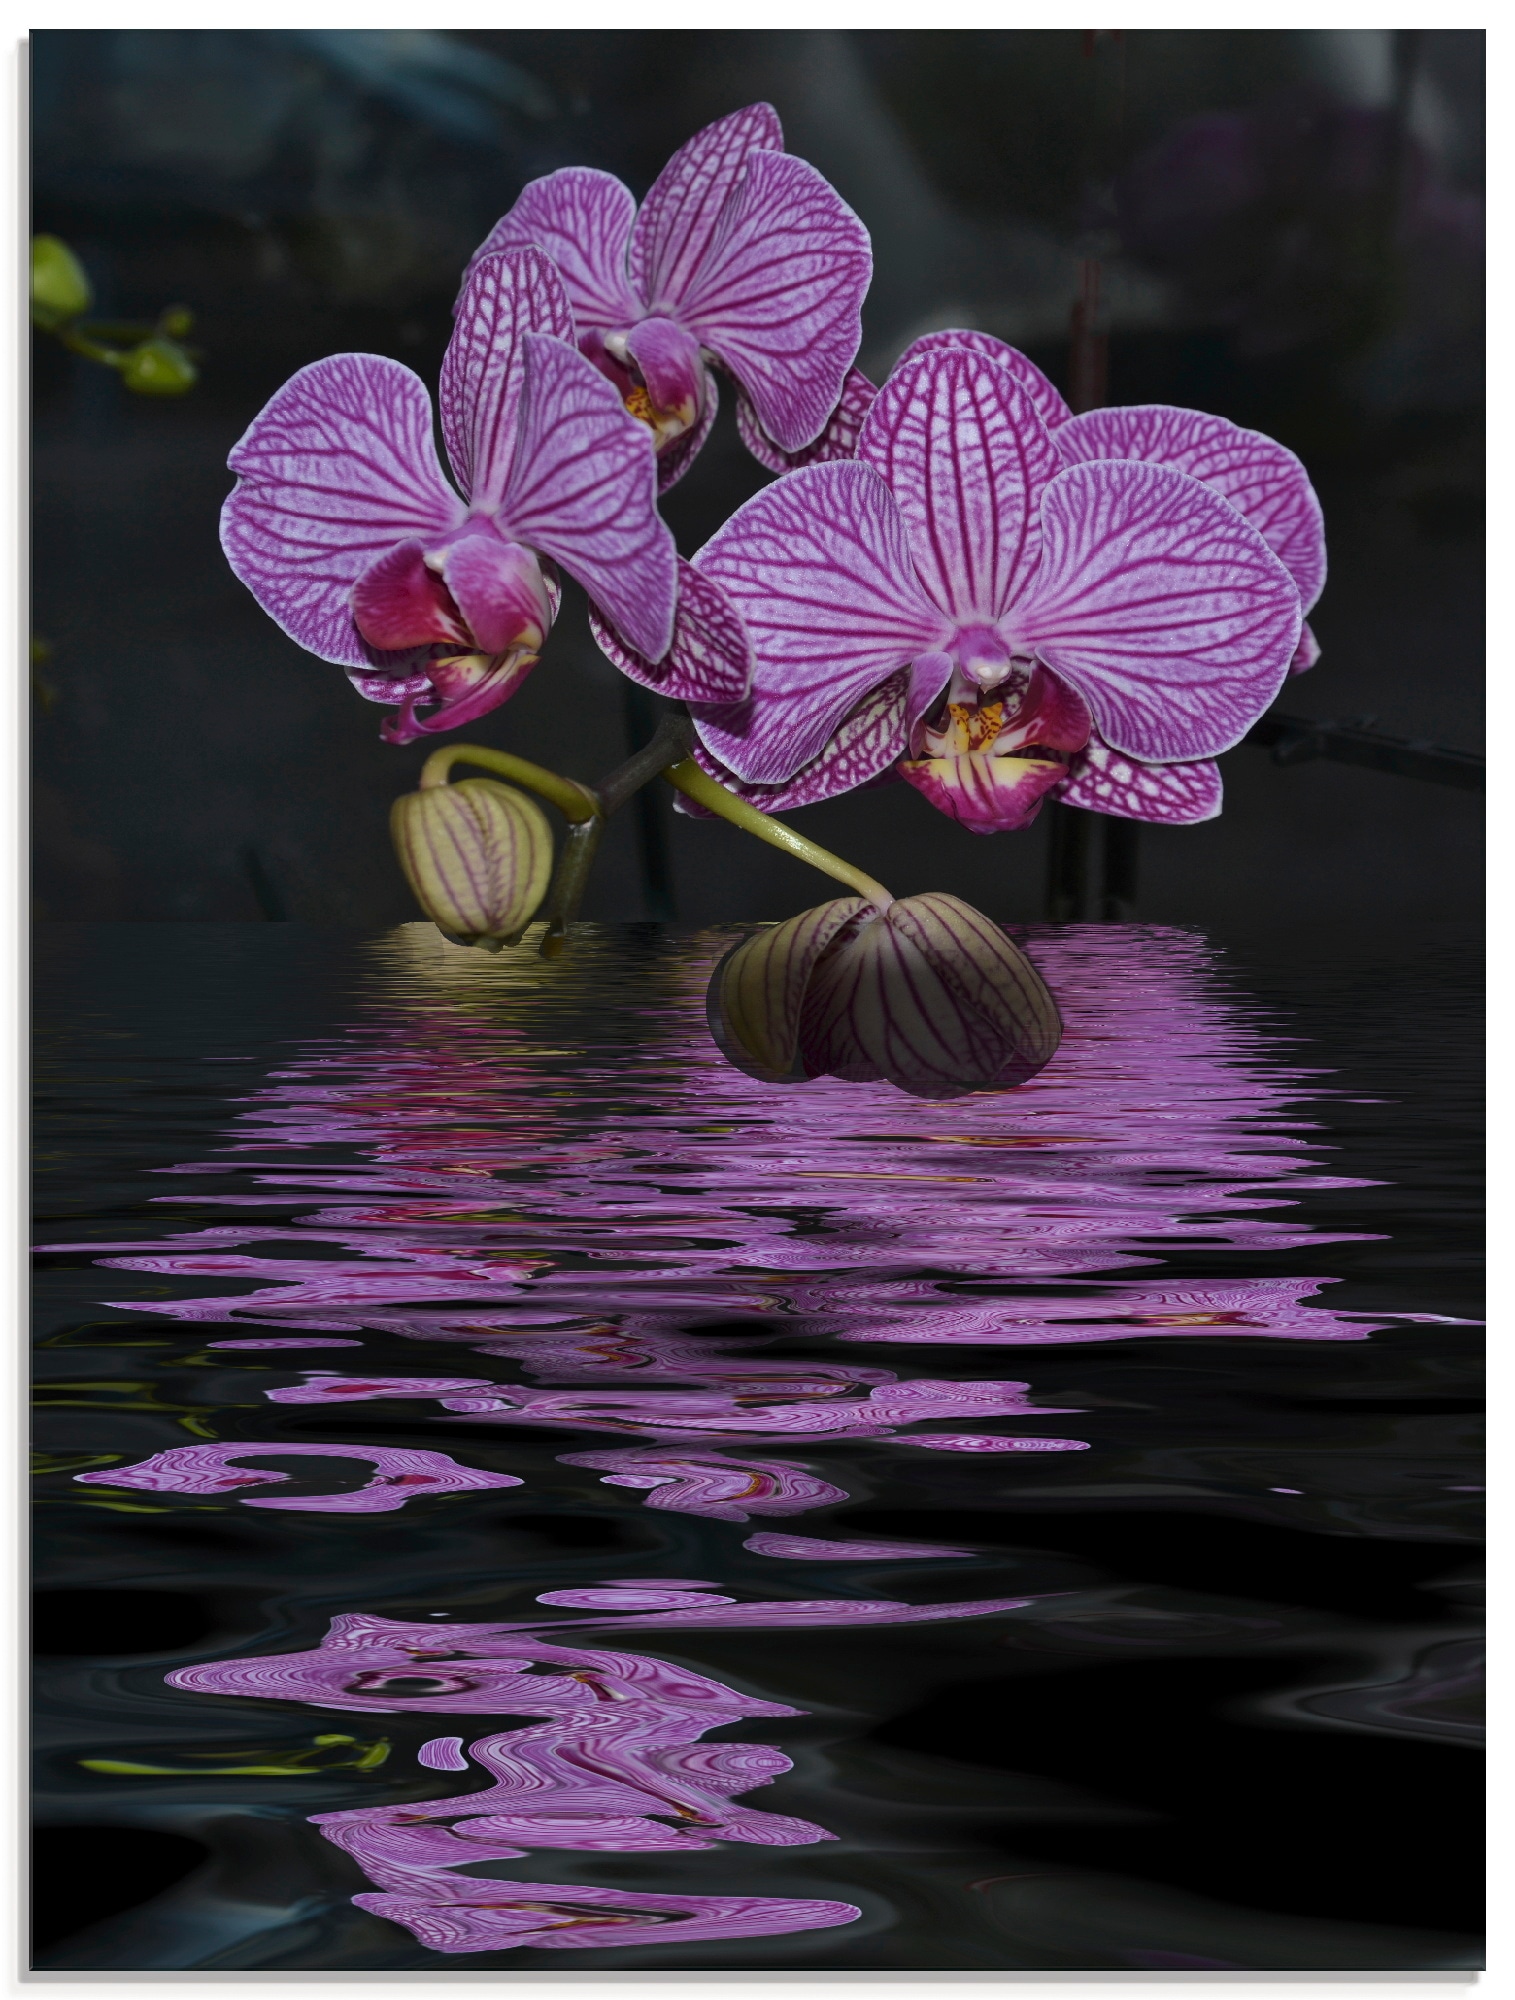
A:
x,y
697,785
577,803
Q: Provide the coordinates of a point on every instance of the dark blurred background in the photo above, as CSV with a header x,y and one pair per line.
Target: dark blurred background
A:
x,y
1289,227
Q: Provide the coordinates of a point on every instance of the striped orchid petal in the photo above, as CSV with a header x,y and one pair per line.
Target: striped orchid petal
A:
x,y
1161,605
985,794
837,440
1104,781
967,459
1306,653
507,295
684,207
862,749
1263,480
820,571
582,220
583,490
710,659
334,472
777,296
1045,400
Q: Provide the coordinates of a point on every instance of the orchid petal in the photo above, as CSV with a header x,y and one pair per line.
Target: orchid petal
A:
x,y
820,571
675,459
837,440
398,603
778,295
710,659
465,687
1045,400
1166,610
1165,794
582,220
668,359
985,794
758,992
392,683
507,294
583,489
861,750
967,459
683,208
336,469
1306,653
499,590
1263,480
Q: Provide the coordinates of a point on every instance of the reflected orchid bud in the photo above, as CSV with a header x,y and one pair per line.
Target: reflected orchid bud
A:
x,y
926,994
478,855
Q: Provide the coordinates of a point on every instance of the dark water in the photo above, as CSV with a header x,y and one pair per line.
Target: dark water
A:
x,y
1031,1532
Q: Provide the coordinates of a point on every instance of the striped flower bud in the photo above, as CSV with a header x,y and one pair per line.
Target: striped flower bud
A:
x,y
478,855
926,994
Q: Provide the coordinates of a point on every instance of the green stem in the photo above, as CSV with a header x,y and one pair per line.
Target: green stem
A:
x,y
695,784
577,803
92,350
569,878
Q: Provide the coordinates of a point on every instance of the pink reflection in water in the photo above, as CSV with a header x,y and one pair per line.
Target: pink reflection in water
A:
x,y
581,1209
718,1487
810,1548
399,1475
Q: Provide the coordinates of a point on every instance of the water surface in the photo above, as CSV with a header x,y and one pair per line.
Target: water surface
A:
x,y
503,1465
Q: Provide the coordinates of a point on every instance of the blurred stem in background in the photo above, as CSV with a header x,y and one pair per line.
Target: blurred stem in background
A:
x,y
149,356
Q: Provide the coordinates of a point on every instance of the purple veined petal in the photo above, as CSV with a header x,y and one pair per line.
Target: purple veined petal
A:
x,y
778,295
463,686
582,220
674,460
862,749
710,659
583,489
837,440
1166,794
506,294
1306,653
336,469
393,684
678,219
1263,480
820,571
967,459
1162,606
985,794
1045,400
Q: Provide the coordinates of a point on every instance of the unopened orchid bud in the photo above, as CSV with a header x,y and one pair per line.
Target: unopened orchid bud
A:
x,y
925,993
60,286
478,855
159,367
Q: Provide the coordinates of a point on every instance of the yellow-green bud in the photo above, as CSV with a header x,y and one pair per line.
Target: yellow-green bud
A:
x,y
477,854
159,368
60,288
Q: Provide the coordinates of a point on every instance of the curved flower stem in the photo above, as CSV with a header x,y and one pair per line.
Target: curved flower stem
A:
x,y
576,802
696,784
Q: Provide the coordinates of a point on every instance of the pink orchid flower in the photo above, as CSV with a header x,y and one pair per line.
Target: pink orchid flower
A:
x,y
741,255
1007,615
346,531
